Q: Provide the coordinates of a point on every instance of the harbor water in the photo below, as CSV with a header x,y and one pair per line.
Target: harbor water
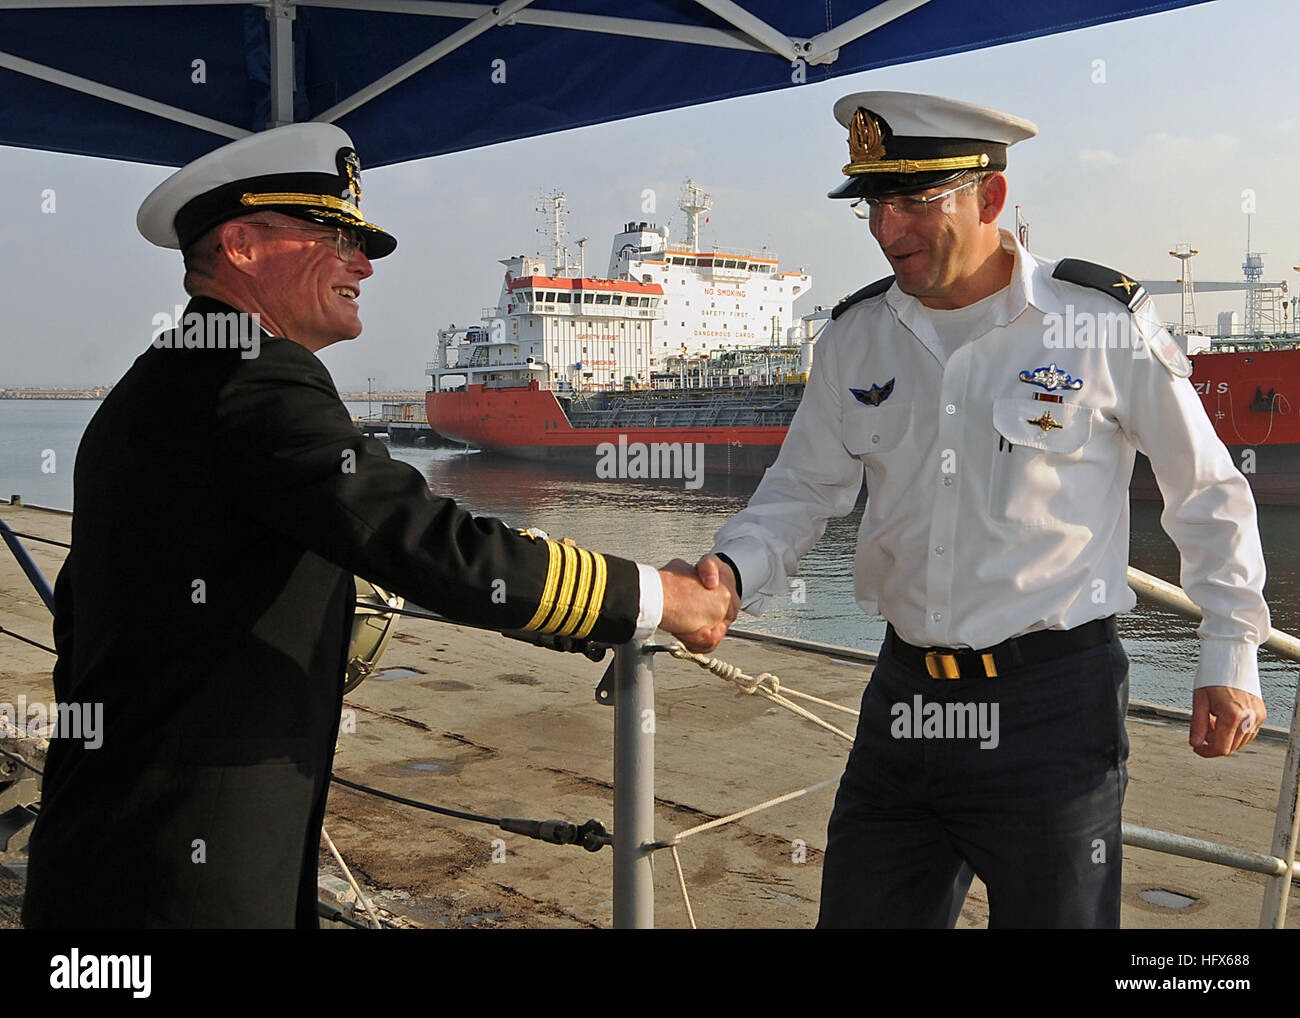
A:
x,y
654,521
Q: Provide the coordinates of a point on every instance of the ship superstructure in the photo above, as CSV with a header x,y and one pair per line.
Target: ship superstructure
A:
x,y
660,306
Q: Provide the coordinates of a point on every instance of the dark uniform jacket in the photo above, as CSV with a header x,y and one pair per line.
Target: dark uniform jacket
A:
x,y
222,506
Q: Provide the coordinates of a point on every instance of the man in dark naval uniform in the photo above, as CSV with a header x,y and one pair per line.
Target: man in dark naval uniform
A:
x,y
223,503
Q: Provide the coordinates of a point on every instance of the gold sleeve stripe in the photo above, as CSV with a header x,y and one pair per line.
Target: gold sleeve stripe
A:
x,y
563,600
597,596
585,569
548,591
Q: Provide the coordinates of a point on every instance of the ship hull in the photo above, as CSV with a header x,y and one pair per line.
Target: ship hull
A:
x,y
529,423
1246,395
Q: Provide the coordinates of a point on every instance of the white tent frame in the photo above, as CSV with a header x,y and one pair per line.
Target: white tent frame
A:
x,y
750,33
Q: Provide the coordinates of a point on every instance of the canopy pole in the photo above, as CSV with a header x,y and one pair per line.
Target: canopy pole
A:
x,y
123,98
634,787
280,14
820,48
499,15
754,27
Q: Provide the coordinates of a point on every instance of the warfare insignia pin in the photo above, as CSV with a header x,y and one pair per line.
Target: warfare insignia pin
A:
x,y
874,396
1046,421
1051,377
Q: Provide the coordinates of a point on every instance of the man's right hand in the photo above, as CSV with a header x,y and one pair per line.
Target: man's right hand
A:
x,y
713,572
696,613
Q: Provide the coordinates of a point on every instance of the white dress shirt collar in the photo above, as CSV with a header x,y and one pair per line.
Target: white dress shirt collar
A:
x,y
1029,284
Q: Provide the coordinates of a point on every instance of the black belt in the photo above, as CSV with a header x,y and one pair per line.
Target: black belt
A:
x,y
1017,652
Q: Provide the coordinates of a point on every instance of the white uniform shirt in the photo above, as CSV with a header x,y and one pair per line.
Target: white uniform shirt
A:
x,y
981,525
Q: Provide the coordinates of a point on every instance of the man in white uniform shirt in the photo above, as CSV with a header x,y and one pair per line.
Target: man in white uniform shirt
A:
x,y
993,401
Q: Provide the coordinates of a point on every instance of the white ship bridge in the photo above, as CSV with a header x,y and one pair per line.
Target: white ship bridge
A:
x,y
661,302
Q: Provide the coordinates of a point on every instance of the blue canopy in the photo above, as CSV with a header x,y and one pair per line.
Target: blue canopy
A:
x,y
415,78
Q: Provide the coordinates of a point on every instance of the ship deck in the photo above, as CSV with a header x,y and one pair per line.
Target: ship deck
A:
x,y
482,723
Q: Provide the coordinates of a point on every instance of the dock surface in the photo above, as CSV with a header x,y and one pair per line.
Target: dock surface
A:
x,y
474,721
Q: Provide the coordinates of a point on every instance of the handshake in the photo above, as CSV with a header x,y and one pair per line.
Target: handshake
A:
x,y
700,602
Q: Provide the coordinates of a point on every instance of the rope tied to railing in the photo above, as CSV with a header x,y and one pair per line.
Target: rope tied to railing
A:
x,y
765,684
732,673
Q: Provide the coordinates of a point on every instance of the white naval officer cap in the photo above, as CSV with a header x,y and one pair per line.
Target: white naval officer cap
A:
x,y
900,142
308,171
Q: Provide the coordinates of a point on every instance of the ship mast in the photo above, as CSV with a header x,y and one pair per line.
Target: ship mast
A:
x,y
693,201
1187,307
1022,229
551,206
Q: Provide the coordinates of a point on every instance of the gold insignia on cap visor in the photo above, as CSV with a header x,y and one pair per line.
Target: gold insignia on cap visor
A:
x,y
867,152
342,211
290,198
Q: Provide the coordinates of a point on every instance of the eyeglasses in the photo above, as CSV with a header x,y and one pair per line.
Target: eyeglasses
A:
x,y
346,242
903,205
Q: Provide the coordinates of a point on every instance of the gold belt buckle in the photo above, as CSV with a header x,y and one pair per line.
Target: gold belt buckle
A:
x,y
941,665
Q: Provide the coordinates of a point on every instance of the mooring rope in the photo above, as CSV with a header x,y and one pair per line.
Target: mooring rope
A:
x,y
356,888
765,684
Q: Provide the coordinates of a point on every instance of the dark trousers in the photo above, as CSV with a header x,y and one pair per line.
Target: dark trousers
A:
x,y
1037,816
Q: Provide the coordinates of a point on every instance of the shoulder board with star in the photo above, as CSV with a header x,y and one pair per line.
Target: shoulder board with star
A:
x,y
1128,292
871,290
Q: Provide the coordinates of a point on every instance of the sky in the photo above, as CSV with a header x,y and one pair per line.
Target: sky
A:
x,y
1152,132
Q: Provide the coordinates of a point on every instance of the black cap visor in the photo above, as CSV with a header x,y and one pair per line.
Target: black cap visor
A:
x,y
884,185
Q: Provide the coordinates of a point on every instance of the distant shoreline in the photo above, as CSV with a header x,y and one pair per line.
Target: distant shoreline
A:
x,y
100,391
93,392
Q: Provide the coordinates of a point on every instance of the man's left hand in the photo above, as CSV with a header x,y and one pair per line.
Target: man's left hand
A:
x,y
1224,719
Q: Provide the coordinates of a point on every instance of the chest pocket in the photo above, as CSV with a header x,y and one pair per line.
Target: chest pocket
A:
x,y
871,431
1051,463
875,435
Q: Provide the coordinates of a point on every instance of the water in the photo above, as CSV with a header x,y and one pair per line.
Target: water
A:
x,y
654,522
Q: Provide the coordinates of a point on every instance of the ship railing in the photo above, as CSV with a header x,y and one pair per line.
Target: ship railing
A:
x,y
629,684
736,253
590,310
